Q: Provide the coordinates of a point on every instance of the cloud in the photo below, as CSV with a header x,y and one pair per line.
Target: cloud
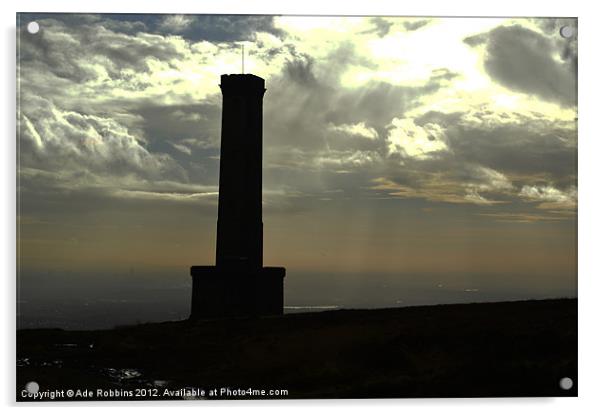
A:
x,y
97,62
194,125
527,61
415,24
358,130
304,110
479,154
524,144
45,193
341,160
182,148
433,189
55,139
473,196
551,198
217,28
352,113
163,196
381,26
445,180
176,23
111,109
420,142
66,156
91,51
485,178
371,126
522,217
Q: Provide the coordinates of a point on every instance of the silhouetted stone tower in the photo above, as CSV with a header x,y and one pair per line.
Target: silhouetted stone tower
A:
x,y
239,284
239,225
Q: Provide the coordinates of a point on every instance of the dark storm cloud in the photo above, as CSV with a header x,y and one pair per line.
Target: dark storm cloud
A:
x,y
128,23
531,153
195,27
217,28
300,72
551,27
415,25
382,26
98,147
55,139
61,50
527,148
66,156
201,122
568,46
189,133
524,60
69,19
321,139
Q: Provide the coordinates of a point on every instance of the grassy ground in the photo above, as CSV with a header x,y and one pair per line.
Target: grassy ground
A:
x,y
495,349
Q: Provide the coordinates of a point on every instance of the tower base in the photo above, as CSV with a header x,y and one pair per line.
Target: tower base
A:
x,y
233,292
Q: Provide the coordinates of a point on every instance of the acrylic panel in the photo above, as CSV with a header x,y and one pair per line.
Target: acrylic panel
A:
x,y
295,207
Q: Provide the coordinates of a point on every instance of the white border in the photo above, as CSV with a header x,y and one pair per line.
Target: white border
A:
x,y
589,224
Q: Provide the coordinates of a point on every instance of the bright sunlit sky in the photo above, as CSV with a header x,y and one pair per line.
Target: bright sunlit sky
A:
x,y
401,146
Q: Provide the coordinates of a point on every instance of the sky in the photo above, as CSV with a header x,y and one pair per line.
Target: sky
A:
x,y
406,160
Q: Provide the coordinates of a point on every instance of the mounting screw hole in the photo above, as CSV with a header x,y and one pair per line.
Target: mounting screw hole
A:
x,y
566,383
567,32
32,387
33,27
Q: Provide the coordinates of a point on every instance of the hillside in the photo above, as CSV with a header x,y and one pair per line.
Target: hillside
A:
x,y
489,349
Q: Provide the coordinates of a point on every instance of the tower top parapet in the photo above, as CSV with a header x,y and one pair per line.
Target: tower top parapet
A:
x,y
242,82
